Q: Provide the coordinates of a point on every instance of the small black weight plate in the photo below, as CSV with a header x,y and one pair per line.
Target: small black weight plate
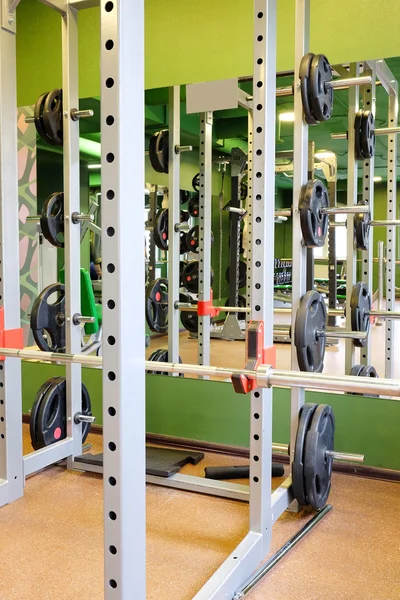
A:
x,y
242,273
189,319
184,196
38,112
362,228
86,410
241,303
159,151
368,371
52,219
243,191
35,409
185,216
367,134
360,305
192,239
190,276
314,224
298,483
304,74
161,356
357,136
193,206
317,464
356,370
309,335
160,231
196,182
157,305
52,117
320,97
48,319
182,242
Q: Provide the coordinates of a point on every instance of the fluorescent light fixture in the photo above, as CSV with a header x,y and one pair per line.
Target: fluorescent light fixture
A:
x,y
321,154
286,117
377,178
94,166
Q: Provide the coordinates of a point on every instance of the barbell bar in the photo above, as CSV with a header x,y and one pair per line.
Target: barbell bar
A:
x,y
379,131
75,115
334,210
344,456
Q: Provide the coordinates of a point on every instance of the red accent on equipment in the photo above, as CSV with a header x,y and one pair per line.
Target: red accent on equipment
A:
x,y
10,338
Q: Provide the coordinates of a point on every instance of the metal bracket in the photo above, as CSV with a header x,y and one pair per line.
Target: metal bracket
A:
x,y
8,21
61,6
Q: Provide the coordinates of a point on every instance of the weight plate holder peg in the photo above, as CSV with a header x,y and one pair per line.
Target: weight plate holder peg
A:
x,y
189,319
160,231
52,117
193,206
190,276
362,228
192,239
360,306
157,305
320,96
242,274
159,151
48,319
314,222
52,219
35,409
51,416
318,449
309,335
161,356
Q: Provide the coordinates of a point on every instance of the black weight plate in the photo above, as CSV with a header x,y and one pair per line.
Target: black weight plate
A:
x,y
86,410
196,182
189,319
159,151
192,239
367,134
49,318
182,242
361,229
185,216
368,371
298,483
190,276
38,112
314,224
356,370
242,274
241,303
243,191
160,231
317,465
193,206
35,409
52,219
357,136
304,74
182,265
310,322
157,305
153,357
184,196
360,305
52,117
162,356
320,97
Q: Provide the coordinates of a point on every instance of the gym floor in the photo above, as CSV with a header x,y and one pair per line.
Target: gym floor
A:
x,y
52,540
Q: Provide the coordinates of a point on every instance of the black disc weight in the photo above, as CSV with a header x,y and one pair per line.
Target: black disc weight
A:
x,y
309,335
157,305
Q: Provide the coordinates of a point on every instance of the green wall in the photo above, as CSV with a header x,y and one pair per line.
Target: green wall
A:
x,y
188,42
211,411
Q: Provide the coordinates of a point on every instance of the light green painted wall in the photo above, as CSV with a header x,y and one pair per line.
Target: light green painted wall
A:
x,y
188,41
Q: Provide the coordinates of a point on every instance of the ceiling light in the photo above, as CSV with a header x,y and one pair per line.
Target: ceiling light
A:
x,y
287,117
324,154
94,166
377,178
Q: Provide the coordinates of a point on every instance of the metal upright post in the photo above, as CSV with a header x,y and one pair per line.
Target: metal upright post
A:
x,y
310,251
11,478
300,159
174,211
72,232
205,199
150,222
369,103
393,114
249,208
332,261
122,142
352,180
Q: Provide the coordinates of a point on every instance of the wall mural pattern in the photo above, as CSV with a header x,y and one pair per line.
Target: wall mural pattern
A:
x,y
28,237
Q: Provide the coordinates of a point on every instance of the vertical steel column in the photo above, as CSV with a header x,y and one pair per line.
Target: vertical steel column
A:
x,y
352,180
72,233
122,142
393,114
174,211
205,199
332,262
150,222
300,162
310,274
249,208
11,477
367,265
380,280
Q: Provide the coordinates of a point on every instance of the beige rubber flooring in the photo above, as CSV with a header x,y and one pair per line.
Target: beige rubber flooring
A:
x,y
52,541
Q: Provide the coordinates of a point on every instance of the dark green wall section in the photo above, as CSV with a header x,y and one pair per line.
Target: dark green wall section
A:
x,y
210,40
211,411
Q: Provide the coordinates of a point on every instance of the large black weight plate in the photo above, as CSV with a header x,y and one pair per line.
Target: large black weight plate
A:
x,y
367,138
314,224
190,276
192,239
242,274
298,483
193,206
241,303
357,136
184,196
196,182
317,464
182,243
310,324
304,74
52,219
320,97
182,265
185,216
356,370
368,371
159,151
35,409
243,191
360,305
362,228
157,305
189,319
48,319
52,117
160,231
38,112
364,371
